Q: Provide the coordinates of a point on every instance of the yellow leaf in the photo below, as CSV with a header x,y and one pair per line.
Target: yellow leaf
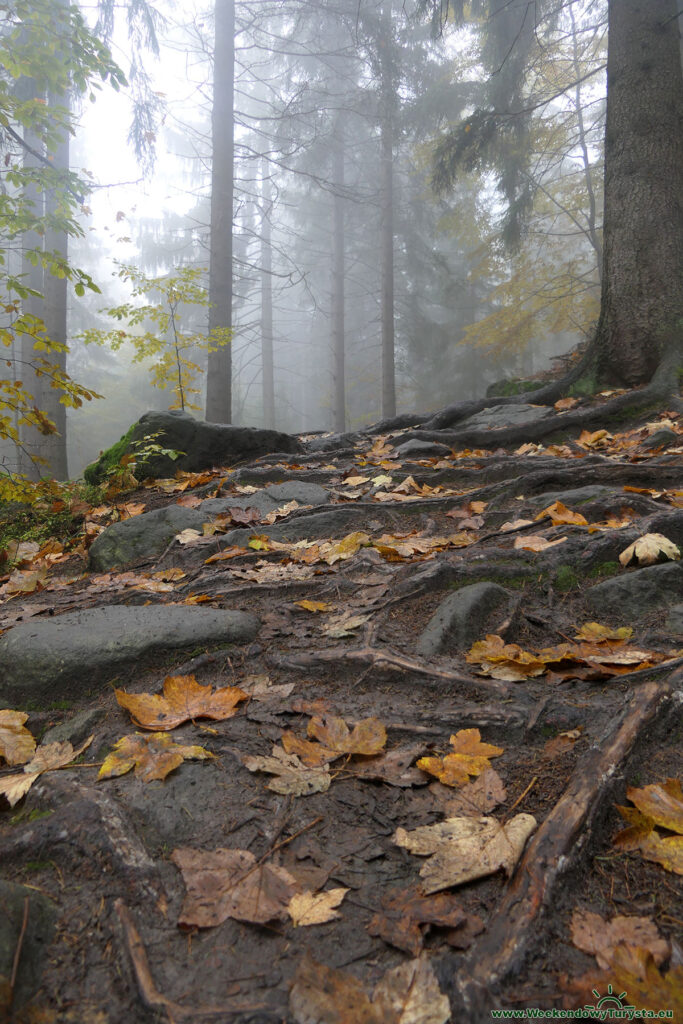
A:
x,y
650,548
315,606
308,908
562,515
153,756
184,699
469,756
17,745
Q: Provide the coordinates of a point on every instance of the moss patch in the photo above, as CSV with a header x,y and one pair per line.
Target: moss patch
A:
x,y
605,570
514,386
97,471
565,579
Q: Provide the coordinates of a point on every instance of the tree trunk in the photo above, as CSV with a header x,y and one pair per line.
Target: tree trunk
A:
x,y
267,370
388,100
642,284
219,368
338,298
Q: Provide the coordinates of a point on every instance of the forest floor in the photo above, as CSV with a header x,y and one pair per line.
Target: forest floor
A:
x,y
419,620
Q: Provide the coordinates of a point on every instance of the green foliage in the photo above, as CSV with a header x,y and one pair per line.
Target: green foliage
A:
x,y
46,51
100,470
45,510
156,330
566,579
121,466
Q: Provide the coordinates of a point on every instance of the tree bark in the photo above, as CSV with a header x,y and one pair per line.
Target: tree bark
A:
x,y
338,291
219,368
267,370
642,285
387,100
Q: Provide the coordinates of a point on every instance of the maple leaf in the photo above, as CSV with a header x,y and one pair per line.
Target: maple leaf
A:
x,y
184,699
393,767
260,687
48,757
469,756
17,745
592,934
343,625
367,737
29,582
534,542
309,908
478,797
225,554
650,548
404,910
152,756
462,849
224,884
314,755
561,515
597,633
282,511
657,805
291,774
504,661
315,606
408,994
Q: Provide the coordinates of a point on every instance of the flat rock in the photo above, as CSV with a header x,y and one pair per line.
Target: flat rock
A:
x,y
146,536
674,621
575,496
421,449
42,915
203,444
76,728
638,592
64,656
497,417
463,617
664,438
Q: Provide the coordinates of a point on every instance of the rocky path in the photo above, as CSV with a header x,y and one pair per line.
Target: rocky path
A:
x,y
332,621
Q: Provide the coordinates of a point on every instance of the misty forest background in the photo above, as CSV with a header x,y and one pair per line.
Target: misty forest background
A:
x,y
359,283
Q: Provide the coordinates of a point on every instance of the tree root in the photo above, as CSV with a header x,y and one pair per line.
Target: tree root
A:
x,y
385,661
558,845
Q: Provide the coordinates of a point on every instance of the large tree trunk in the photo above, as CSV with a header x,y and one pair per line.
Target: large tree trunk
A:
x,y
388,100
219,369
338,298
642,284
267,369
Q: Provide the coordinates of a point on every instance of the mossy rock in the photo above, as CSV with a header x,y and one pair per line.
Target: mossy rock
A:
x,y
96,473
512,386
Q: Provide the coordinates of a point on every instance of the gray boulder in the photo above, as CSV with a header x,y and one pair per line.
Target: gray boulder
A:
x,y
64,656
40,927
674,622
416,449
204,444
463,617
638,592
497,417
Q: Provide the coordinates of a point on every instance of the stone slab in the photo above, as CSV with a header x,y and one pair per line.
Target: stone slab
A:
x,y
463,617
638,592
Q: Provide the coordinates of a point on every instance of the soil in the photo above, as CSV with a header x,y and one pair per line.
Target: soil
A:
x,y
102,851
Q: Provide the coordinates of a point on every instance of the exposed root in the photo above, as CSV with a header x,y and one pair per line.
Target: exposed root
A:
x,y
556,847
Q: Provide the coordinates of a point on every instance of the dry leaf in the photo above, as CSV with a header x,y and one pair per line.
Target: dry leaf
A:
x,y
184,700
469,756
596,633
152,756
561,515
260,687
230,883
225,554
315,606
367,737
635,971
17,745
314,755
343,625
461,849
308,908
534,542
187,536
505,661
408,994
660,804
393,767
404,910
592,934
281,511
478,797
515,524
292,776
47,757
650,548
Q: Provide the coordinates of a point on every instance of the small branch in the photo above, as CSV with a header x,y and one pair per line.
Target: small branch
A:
x,y
17,952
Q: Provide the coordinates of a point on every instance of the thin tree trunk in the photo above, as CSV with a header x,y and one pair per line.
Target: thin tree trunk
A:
x,y
267,368
387,214
642,283
219,369
338,290
592,229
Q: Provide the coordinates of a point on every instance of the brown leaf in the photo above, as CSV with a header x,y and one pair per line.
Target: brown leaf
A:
x,y
478,797
592,934
184,700
224,884
469,756
393,767
17,745
48,757
561,515
314,755
292,775
534,542
153,756
404,910
309,908
650,548
367,737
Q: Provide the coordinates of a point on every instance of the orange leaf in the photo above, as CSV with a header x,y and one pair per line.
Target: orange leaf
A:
x,y
184,700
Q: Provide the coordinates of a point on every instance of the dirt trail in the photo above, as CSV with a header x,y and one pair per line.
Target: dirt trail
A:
x,y
397,615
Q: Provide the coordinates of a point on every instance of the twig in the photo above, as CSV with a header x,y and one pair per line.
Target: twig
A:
x,y
17,952
522,795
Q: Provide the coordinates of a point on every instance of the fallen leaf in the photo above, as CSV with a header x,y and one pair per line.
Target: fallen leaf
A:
x,y
393,767
404,910
48,757
597,439
367,737
515,524
17,745
462,849
505,661
292,776
225,554
534,542
260,687
650,548
308,908
596,633
660,804
635,971
408,994
469,756
29,582
343,625
313,755
592,934
562,743
561,515
315,606
152,756
188,536
478,797
224,884
184,700
563,404
281,511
